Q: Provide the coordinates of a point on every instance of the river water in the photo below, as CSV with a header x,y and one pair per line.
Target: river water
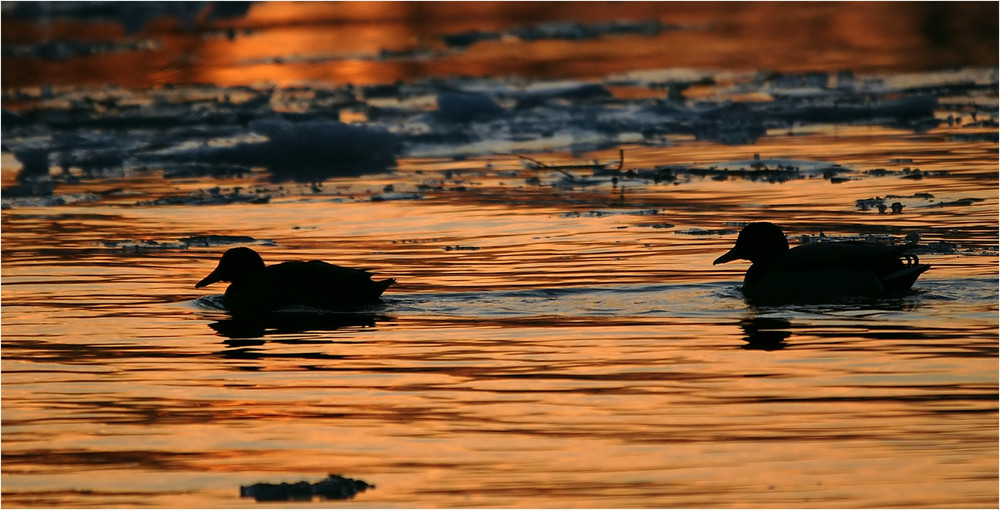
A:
x,y
558,336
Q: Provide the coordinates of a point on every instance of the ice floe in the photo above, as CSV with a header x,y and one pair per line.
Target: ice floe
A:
x,y
310,133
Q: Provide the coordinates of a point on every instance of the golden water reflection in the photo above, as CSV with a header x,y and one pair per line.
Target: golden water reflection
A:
x,y
343,42
549,344
544,347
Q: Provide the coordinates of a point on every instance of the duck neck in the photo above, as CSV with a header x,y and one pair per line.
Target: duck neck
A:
x,y
758,267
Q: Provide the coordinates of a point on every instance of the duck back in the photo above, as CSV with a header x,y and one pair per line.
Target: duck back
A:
x,y
313,283
827,270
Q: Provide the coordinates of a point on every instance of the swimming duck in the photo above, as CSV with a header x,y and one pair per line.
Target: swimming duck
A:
x,y
255,287
820,271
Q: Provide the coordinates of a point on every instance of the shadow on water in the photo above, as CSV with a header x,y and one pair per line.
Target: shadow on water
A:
x,y
248,330
772,334
292,322
898,320
765,334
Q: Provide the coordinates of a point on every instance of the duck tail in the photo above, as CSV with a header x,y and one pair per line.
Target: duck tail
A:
x,y
904,277
381,285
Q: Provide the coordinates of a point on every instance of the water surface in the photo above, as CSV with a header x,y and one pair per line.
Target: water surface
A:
x,y
558,337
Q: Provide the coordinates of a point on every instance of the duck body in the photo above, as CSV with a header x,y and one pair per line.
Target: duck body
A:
x,y
255,287
821,271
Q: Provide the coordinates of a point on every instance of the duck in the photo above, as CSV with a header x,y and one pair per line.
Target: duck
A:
x,y
255,287
819,271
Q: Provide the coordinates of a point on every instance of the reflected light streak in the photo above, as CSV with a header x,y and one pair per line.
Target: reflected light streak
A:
x,y
826,37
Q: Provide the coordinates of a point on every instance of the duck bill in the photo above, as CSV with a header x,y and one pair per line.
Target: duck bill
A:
x,y
729,256
211,278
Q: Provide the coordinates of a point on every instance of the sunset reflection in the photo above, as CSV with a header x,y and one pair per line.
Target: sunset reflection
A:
x,y
324,41
549,184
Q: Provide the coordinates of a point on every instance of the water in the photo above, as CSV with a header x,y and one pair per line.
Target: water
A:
x,y
552,341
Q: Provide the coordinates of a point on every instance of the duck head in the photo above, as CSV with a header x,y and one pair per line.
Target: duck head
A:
x,y
235,265
757,242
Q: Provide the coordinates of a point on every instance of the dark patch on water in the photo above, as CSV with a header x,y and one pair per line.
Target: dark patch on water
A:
x,y
606,213
773,170
704,232
211,196
133,16
331,487
562,30
201,241
896,203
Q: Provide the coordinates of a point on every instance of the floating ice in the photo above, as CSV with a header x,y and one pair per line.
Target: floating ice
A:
x,y
298,134
466,106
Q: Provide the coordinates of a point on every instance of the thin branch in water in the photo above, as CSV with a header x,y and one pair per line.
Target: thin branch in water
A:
x,y
564,169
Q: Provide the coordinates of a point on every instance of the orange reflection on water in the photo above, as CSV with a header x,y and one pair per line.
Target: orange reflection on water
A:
x,y
546,346
316,41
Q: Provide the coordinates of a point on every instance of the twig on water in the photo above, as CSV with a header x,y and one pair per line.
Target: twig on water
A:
x,y
565,169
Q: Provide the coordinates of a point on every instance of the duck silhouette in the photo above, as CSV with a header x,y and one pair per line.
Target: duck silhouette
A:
x,y
256,288
819,271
